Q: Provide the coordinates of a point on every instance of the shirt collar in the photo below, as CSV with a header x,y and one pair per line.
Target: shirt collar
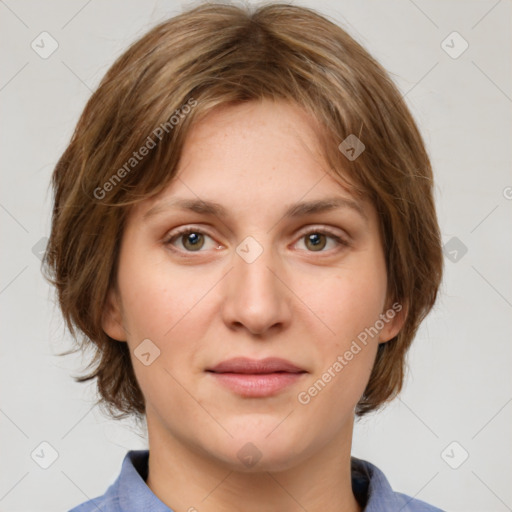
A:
x,y
134,495
371,488
130,491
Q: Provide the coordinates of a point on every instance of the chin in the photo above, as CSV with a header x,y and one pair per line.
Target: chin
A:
x,y
259,452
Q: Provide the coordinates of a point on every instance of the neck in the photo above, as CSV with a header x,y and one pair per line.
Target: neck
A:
x,y
187,480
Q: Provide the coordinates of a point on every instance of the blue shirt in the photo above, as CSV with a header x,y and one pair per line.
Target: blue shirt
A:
x,y
129,493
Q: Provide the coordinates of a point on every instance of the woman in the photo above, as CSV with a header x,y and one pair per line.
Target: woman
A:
x,y
244,229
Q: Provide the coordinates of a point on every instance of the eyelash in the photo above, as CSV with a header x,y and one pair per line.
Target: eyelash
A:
x,y
186,231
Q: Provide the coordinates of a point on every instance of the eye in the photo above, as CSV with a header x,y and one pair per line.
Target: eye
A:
x,y
317,239
194,239
191,239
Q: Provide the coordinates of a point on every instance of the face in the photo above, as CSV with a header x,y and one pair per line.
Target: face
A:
x,y
229,262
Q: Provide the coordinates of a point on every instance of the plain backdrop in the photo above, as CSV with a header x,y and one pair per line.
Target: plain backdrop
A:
x,y
446,440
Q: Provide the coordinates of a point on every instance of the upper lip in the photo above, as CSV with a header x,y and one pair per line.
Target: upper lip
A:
x,y
254,366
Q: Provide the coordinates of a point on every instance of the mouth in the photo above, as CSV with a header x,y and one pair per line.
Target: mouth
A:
x,y
254,378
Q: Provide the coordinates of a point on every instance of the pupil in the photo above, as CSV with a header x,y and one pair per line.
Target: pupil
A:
x,y
193,236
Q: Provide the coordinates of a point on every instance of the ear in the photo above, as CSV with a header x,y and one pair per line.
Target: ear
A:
x,y
393,318
112,320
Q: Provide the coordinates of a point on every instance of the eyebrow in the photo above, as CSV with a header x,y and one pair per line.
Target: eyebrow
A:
x,y
294,210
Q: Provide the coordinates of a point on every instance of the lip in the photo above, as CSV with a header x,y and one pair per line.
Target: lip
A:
x,y
255,366
256,377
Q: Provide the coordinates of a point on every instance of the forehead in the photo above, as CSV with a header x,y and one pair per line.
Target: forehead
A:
x,y
254,143
255,156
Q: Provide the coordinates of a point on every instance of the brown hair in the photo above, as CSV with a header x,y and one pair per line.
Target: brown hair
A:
x,y
213,55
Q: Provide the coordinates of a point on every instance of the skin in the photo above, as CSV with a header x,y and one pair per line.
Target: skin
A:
x,y
202,304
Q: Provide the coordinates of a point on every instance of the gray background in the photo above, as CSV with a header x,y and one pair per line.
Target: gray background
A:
x,y
459,385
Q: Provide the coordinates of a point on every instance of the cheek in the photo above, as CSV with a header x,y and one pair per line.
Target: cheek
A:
x,y
159,304
345,352
158,299
347,302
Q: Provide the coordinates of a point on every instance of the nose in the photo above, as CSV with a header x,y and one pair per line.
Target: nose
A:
x,y
256,296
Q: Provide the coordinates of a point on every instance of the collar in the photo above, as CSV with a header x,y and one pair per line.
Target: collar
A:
x,y
371,488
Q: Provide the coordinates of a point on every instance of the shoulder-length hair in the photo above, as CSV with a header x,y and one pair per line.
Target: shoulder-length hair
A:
x,y
213,55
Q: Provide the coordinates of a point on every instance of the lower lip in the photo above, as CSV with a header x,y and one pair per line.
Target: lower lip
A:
x,y
257,385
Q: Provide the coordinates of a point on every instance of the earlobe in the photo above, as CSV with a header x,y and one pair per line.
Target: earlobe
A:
x,y
112,320
393,319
